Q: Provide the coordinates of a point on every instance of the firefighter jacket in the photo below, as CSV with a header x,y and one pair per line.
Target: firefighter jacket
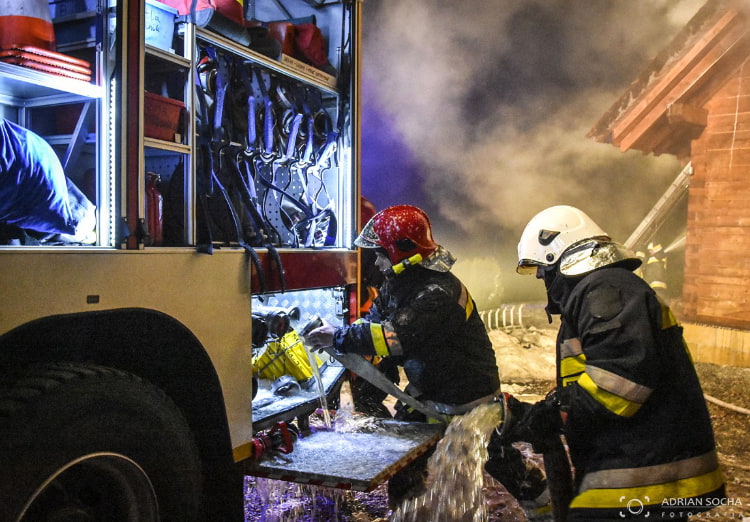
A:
x,y
637,426
428,320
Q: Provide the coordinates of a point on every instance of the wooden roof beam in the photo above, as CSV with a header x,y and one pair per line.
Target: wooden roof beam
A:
x,y
680,78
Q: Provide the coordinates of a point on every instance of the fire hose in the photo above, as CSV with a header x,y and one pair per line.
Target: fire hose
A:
x,y
726,405
365,369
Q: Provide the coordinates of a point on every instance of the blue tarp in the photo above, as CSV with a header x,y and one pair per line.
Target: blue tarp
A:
x,y
34,191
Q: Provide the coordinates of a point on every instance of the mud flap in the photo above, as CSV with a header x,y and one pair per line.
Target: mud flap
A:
x,y
356,461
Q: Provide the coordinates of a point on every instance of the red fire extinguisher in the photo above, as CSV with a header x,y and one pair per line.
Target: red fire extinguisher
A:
x,y
154,210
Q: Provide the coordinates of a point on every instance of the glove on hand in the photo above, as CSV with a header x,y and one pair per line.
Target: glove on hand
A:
x,y
507,431
541,422
320,337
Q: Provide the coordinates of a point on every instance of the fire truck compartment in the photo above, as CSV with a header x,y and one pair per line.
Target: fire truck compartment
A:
x,y
358,461
270,408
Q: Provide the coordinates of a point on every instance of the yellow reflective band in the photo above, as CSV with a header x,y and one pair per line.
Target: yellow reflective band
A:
x,y
469,305
466,302
618,384
391,339
378,339
410,261
668,319
650,475
612,402
572,366
617,498
570,347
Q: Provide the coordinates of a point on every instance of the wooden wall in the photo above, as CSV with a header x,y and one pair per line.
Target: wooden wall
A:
x,y
717,257
716,345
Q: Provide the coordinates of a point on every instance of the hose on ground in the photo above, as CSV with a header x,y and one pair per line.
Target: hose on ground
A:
x,y
727,405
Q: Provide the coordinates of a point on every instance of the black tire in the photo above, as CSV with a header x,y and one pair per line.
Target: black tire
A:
x,y
89,443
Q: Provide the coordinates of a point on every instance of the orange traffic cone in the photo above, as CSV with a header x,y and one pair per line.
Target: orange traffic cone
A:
x,y
26,23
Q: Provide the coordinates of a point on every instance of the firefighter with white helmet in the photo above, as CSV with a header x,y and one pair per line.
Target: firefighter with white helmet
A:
x,y
654,269
627,398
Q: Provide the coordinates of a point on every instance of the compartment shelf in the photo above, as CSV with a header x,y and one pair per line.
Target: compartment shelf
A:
x,y
288,67
22,84
173,58
153,143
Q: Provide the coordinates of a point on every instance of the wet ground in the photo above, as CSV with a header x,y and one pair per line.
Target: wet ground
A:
x,y
276,501
524,355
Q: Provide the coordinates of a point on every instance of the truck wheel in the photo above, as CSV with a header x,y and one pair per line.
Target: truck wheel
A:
x,y
84,443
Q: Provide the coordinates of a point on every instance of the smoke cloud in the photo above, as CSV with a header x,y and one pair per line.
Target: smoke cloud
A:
x,y
478,111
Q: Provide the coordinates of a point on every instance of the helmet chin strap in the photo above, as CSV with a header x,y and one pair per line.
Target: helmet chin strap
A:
x,y
403,265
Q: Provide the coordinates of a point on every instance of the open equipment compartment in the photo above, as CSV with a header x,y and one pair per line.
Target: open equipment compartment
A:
x,y
153,303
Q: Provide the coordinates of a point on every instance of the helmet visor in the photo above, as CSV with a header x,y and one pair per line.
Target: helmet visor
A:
x,y
368,238
527,267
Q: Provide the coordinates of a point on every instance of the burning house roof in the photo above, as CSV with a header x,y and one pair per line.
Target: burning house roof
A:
x,y
692,102
662,109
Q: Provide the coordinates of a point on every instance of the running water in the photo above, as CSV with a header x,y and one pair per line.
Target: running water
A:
x,y
457,489
268,500
312,323
454,488
319,383
276,501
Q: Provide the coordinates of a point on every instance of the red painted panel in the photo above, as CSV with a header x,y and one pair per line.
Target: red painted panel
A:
x,y
306,269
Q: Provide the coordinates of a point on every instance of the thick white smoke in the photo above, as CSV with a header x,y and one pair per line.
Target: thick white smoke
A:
x,y
493,100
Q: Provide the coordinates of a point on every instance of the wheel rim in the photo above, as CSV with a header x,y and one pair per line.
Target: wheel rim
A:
x,y
100,486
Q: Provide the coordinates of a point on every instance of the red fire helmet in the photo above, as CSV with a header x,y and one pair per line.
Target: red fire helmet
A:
x,y
402,230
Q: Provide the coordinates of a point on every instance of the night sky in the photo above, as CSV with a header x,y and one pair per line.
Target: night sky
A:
x,y
478,110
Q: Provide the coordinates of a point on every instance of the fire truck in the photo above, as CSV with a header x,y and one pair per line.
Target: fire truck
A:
x,y
186,198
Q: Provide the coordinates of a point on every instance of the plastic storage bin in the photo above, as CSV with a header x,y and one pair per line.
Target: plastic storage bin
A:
x,y
159,24
162,116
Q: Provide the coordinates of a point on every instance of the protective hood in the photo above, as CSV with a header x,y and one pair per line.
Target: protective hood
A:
x,y
441,260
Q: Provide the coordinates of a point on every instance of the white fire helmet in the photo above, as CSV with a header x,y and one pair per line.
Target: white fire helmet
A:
x,y
567,234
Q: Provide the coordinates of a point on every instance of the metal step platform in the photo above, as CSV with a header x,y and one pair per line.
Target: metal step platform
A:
x,y
356,461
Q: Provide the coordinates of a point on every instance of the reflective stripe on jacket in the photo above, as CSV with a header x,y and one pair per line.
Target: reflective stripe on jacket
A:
x,y
637,423
428,320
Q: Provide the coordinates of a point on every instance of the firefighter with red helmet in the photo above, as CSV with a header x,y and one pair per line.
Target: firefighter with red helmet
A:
x,y
368,398
627,398
423,315
425,318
